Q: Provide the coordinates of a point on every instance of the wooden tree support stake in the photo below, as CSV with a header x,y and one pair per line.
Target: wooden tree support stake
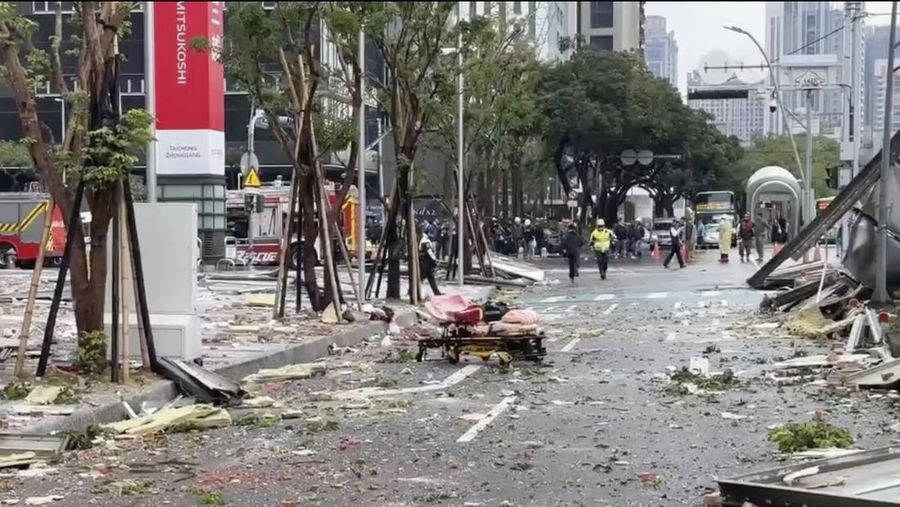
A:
x,y
25,333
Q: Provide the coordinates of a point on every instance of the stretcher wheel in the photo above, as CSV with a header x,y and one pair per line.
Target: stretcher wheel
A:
x,y
453,355
505,358
420,355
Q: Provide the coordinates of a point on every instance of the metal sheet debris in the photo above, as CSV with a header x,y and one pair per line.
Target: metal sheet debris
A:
x,y
863,479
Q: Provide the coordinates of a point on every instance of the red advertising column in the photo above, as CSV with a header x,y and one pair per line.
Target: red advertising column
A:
x,y
190,89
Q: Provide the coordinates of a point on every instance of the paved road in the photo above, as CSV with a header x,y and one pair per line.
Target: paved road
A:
x,y
579,430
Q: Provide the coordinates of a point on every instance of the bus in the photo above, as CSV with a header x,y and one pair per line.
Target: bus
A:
x,y
709,208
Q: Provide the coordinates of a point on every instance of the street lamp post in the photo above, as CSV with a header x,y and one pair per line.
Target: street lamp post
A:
x,y
777,94
150,99
881,297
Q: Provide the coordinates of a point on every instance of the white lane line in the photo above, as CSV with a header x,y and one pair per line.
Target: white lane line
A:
x,y
571,345
549,309
710,293
657,295
671,336
604,297
553,299
610,309
571,309
450,381
498,409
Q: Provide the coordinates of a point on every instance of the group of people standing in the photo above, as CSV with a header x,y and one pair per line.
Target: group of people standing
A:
x,y
751,235
514,236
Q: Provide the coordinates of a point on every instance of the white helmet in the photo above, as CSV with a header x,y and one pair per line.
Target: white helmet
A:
x,y
517,220
527,221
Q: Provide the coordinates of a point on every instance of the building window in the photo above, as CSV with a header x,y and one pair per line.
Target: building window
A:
x,y
517,7
602,42
601,14
50,7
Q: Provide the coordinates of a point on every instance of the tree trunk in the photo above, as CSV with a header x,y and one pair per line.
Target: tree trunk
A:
x,y
517,197
310,232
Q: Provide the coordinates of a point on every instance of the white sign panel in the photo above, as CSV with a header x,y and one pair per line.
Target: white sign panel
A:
x,y
190,152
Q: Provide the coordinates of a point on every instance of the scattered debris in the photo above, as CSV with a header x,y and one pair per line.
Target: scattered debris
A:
x,y
43,395
174,419
43,500
290,372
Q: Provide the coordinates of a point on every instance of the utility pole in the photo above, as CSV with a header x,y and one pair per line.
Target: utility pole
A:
x,y
850,138
881,298
460,154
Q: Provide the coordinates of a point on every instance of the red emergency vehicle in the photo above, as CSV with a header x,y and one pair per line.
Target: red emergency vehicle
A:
x,y
22,218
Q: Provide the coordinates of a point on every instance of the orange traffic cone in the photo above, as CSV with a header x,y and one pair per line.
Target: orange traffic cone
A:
x,y
655,253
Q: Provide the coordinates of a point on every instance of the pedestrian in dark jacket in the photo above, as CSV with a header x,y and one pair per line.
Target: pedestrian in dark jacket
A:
x,y
745,237
572,244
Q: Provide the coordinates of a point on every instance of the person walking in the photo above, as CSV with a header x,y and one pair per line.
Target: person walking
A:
x,y
675,234
745,236
638,239
572,244
621,234
725,232
428,262
760,229
601,241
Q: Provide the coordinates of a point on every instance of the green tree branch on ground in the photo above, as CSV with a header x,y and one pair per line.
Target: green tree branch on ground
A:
x,y
777,151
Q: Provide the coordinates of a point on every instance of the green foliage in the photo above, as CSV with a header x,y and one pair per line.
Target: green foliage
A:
x,y
16,390
779,152
90,355
15,154
81,440
111,153
795,437
208,497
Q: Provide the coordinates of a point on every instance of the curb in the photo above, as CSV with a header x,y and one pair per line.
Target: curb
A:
x,y
164,390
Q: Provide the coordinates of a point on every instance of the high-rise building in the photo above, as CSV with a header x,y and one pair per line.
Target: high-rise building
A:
x,y
875,48
807,28
879,88
611,26
546,22
660,49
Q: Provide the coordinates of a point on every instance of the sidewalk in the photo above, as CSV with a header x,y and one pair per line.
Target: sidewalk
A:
x,y
238,338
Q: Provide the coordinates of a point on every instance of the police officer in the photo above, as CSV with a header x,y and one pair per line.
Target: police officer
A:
x,y
601,242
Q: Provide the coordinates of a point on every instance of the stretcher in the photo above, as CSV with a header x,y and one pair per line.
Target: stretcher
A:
x,y
465,332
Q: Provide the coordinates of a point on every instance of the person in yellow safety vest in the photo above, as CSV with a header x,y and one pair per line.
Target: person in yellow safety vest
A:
x,y
601,242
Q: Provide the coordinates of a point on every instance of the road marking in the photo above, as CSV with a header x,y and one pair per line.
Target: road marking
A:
x,y
571,308
498,409
657,295
452,380
710,293
571,345
549,309
553,299
610,309
604,297
671,336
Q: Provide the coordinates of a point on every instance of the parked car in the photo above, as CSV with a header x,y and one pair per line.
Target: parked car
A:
x,y
660,233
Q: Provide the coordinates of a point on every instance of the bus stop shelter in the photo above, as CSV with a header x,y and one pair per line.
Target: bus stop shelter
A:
x,y
775,185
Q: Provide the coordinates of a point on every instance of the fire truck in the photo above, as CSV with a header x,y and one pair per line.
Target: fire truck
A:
x,y
22,219
257,220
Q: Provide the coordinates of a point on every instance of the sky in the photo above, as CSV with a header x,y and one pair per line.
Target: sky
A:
x,y
698,29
